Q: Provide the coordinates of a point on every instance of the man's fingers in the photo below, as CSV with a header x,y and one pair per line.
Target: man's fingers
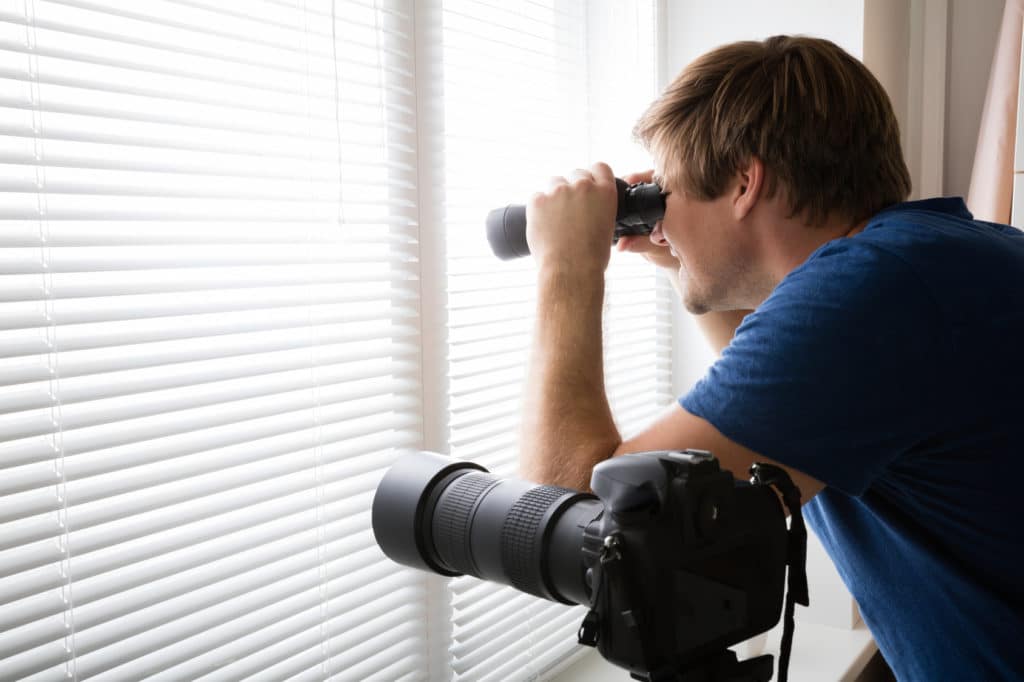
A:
x,y
635,244
555,181
642,176
580,174
657,254
602,172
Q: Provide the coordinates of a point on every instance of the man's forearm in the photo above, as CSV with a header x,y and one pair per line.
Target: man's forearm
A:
x,y
567,423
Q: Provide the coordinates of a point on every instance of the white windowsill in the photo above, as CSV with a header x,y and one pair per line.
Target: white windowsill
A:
x,y
820,654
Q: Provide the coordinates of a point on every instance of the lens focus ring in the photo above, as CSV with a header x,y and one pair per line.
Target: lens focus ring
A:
x,y
451,521
519,541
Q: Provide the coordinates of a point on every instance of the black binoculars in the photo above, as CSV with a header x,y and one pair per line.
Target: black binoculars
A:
x,y
641,206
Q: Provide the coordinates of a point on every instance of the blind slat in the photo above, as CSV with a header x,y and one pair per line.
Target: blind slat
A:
x,y
199,373
257,649
291,389
389,627
104,654
279,514
166,443
317,303
101,602
296,57
233,470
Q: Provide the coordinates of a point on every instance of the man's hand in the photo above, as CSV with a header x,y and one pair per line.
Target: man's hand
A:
x,y
656,253
570,227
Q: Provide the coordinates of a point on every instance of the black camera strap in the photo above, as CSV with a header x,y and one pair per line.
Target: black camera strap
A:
x,y
796,554
610,574
591,627
605,572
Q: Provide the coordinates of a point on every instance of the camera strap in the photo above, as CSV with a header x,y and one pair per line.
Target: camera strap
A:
x,y
604,573
796,554
610,573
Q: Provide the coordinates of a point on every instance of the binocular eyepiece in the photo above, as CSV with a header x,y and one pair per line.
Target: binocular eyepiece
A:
x,y
641,206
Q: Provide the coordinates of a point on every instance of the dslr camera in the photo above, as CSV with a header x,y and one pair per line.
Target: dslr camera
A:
x,y
676,560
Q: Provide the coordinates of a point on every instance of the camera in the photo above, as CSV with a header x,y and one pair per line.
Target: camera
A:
x,y
640,207
676,559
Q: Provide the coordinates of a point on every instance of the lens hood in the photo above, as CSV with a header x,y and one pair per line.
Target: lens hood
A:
x,y
400,516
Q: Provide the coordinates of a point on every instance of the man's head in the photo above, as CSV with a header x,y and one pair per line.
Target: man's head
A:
x,y
813,125
819,121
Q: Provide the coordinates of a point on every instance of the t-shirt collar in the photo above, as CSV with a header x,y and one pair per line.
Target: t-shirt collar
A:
x,y
954,206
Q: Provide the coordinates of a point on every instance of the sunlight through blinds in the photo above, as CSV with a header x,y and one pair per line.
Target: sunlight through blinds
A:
x,y
533,90
208,337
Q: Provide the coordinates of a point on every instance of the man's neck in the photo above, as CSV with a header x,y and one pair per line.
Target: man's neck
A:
x,y
789,242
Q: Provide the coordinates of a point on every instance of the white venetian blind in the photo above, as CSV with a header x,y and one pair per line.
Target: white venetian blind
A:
x,y
532,90
209,342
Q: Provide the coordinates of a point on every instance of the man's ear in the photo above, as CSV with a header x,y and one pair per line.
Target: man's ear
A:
x,y
748,186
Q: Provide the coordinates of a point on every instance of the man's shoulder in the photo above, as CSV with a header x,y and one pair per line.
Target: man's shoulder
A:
x,y
914,256
936,229
849,279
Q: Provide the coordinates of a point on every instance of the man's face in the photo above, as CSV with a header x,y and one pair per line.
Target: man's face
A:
x,y
713,251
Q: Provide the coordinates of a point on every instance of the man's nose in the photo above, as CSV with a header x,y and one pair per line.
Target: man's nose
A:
x,y
657,236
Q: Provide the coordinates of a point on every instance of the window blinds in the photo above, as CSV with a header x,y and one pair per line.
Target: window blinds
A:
x,y
533,90
209,337
234,239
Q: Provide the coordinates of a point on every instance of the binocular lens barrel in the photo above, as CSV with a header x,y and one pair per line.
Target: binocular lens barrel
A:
x,y
640,207
453,517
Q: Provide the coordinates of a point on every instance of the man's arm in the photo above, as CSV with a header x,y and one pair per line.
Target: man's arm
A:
x,y
677,429
567,423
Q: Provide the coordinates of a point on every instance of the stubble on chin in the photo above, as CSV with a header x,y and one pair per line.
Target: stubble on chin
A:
x,y
693,300
695,306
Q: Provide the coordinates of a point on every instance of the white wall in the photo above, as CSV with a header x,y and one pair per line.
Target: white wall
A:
x,y
973,28
695,26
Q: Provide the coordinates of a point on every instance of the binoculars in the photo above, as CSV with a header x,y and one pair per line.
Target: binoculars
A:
x,y
641,206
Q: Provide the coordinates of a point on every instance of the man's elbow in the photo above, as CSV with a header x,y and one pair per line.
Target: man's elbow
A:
x,y
570,467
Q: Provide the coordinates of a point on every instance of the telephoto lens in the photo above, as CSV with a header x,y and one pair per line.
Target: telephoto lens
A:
x,y
640,207
453,517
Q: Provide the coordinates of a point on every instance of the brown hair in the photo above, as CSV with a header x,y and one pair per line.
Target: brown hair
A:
x,y
816,117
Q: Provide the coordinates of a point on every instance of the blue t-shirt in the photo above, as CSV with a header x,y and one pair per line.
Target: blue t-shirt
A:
x,y
890,366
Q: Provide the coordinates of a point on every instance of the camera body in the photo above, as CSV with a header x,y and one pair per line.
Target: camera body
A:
x,y
683,562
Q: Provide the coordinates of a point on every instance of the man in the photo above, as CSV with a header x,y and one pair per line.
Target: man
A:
x,y
880,365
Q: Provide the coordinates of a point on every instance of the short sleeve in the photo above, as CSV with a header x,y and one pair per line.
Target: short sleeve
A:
x,y
836,373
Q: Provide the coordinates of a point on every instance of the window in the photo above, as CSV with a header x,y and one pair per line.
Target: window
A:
x,y
242,269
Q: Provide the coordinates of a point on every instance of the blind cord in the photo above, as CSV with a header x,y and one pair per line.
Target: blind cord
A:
x,y
52,356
